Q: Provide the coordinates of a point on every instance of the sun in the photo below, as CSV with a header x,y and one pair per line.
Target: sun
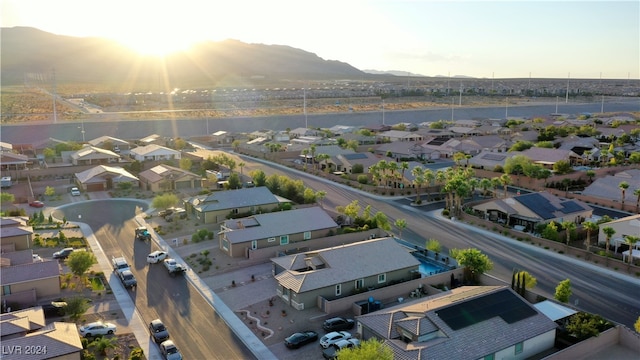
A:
x,y
157,42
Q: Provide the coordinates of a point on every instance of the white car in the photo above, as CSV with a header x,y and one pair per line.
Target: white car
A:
x,y
75,191
170,351
97,328
156,256
333,337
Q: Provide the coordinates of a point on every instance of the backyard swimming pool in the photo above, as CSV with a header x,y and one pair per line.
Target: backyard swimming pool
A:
x,y
429,267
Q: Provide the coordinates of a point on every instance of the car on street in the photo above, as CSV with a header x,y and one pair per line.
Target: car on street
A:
x,y
333,337
36,204
331,353
97,328
158,331
156,256
128,279
337,324
170,351
75,191
298,339
62,254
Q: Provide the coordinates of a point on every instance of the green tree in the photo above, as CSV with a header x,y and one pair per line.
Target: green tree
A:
x,y
401,224
433,245
179,143
585,325
474,262
590,174
590,226
49,153
418,181
636,325
49,191
636,192
562,167
563,291
76,307
185,163
320,195
6,197
516,164
505,181
529,280
631,240
353,145
259,177
568,226
81,261
382,221
234,181
241,165
357,169
521,145
608,232
165,201
623,187
371,349
309,196
236,145
102,344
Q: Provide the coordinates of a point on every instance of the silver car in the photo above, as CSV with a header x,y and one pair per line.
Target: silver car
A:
x,y
170,351
158,331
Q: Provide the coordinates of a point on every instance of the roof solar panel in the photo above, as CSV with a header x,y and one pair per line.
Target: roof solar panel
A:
x,y
504,304
538,204
494,157
569,207
355,156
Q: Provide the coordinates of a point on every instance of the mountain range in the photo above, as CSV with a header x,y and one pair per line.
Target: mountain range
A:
x,y
29,54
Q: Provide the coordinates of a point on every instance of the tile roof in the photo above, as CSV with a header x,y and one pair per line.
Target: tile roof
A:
x,y
161,172
118,173
152,149
541,205
8,231
21,321
279,223
344,263
608,187
426,323
233,199
28,272
58,338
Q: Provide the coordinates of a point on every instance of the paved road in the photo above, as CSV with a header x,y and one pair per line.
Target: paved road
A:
x,y
198,331
33,133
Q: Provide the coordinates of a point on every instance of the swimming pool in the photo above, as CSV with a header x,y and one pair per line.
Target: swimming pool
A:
x,y
429,267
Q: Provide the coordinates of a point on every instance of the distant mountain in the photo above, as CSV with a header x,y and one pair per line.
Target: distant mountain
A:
x,y
393,72
29,53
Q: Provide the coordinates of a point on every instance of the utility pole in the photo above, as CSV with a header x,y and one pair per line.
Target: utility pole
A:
x,y
304,105
382,111
567,96
460,102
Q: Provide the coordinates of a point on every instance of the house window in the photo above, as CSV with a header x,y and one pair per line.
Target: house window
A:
x,y
519,348
284,239
6,290
382,278
271,239
359,284
307,235
254,244
490,357
338,290
225,244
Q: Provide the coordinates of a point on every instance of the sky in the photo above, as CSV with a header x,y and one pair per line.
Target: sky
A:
x,y
484,39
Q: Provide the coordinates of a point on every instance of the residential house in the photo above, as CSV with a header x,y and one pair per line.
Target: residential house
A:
x,y
165,177
629,225
15,237
361,139
239,236
90,155
110,143
102,178
23,284
221,138
488,160
215,207
345,162
608,187
397,135
401,150
26,329
342,129
525,211
13,161
464,131
151,139
377,128
548,157
306,278
470,322
154,153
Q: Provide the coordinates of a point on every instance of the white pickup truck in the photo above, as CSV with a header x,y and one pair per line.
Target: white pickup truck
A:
x,y
119,264
174,267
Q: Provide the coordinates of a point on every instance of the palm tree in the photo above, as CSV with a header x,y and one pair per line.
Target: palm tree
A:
x,y
241,165
312,151
325,158
636,192
393,167
568,226
404,166
102,344
429,176
418,180
485,185
382,166
320,195
631,240
401,224
609,232
589,226
505,180
623,186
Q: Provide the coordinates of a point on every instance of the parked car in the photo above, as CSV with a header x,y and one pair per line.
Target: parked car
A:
x,y
97,328
165,212
75,191
337,324
158,331
170,351
333,337
128,279
36,204
298,339
331,353
156,256
177,214
54,309
62,254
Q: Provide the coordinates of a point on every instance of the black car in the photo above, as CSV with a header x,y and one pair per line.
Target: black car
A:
x,y
338,324
298,339
62,254
158,331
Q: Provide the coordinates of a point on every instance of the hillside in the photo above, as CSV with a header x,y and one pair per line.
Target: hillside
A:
x,y
30,54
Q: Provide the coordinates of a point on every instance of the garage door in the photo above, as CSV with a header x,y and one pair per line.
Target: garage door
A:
x,y
95,187
183,185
